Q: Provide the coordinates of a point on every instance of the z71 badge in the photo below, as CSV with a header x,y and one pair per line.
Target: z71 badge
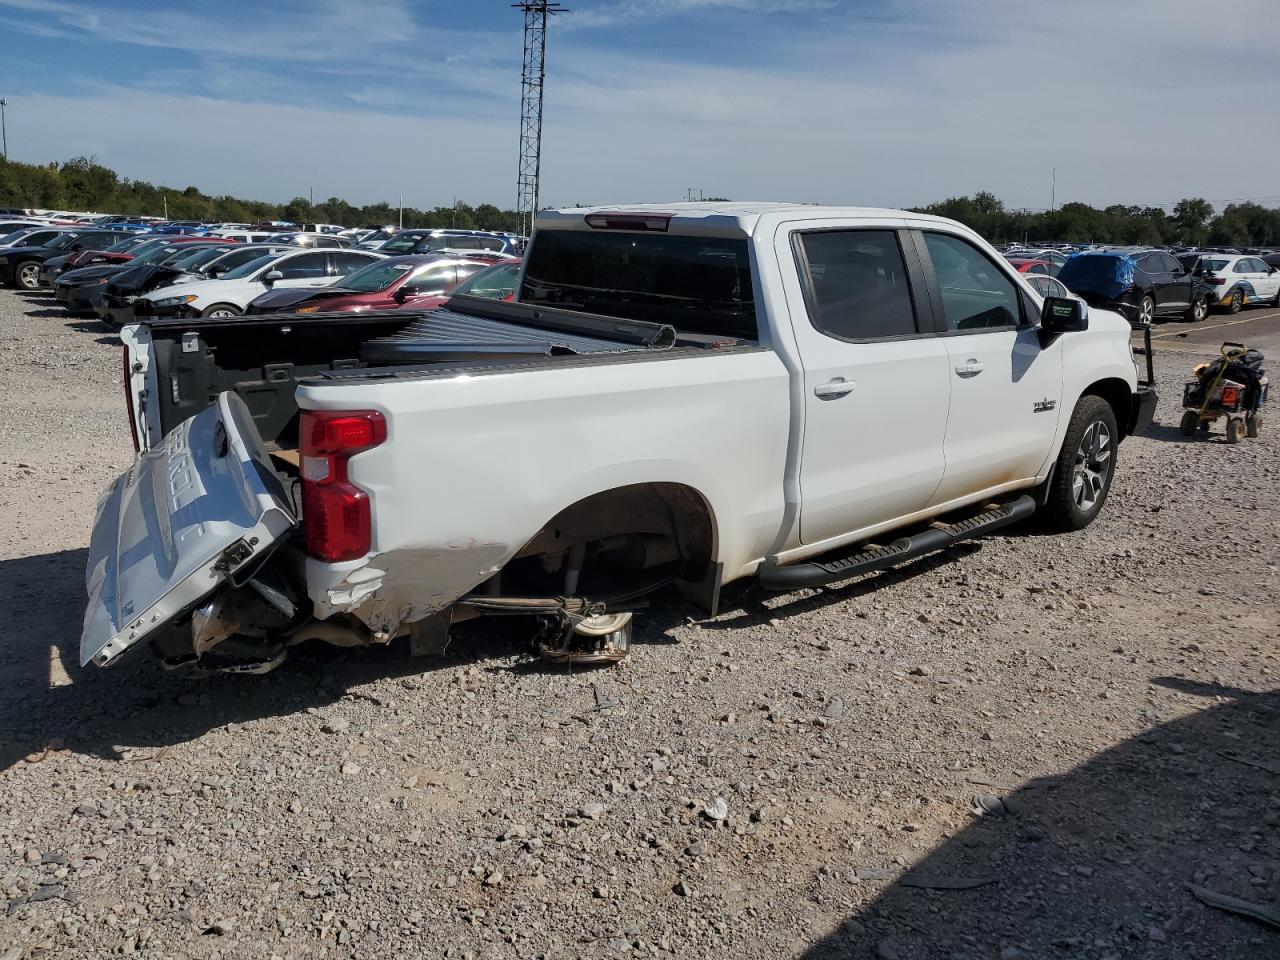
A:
x,y
1043,406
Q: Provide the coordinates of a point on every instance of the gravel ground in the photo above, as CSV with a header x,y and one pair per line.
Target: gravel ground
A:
x,y
788,780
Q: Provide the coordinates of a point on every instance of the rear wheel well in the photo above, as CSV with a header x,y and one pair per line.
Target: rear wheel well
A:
x,y
1118,394
633,528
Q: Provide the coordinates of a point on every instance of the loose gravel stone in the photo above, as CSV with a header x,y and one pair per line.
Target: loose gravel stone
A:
x,y
359,803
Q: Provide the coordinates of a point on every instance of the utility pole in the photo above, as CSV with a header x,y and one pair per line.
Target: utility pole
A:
x,y
402,211
4,132
165,198
532,76
1053,191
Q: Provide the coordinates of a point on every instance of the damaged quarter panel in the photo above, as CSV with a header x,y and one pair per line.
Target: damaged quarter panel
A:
x,y
476,463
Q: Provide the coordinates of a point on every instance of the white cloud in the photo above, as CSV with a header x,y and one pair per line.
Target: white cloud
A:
x,y
907,103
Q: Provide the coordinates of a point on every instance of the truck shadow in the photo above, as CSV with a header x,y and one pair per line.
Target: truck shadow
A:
x,y
50,702
1095,862
746,604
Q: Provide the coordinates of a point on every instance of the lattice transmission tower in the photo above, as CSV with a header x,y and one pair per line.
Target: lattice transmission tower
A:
x,y
536,13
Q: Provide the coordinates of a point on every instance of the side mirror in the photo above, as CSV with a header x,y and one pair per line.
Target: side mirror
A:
x,y
218,269
271,276
408,291
1060,315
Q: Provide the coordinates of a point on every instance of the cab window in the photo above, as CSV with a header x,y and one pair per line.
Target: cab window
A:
x,y
976,294
858,286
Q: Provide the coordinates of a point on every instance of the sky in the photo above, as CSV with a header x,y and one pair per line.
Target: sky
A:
x,y
884,103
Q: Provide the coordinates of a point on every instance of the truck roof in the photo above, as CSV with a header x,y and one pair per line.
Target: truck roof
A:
x,y
724,218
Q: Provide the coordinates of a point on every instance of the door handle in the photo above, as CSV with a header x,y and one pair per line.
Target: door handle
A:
x,y
970,368
834,389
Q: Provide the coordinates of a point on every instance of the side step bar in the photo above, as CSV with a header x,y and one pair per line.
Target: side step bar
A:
x,y
816,573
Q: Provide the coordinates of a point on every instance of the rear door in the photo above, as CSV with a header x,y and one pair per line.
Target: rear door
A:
x,y
1006,388
201,506
875,385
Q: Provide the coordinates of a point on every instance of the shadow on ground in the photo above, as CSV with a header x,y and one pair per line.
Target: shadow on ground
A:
x,y
48,699
1096,864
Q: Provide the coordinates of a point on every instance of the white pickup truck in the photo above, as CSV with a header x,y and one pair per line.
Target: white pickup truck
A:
x,y
682,396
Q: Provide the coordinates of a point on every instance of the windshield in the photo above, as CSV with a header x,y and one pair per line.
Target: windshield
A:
x,y
253,266
402,243
1104,274
495,283
696,284
198,258
157,253
125,245
176,255
376,276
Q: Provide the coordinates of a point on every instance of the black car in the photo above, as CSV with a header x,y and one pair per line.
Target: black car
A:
x,y
113,302
78,290
20,266
1140,285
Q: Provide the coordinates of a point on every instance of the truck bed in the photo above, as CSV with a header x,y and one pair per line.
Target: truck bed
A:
x,y
263,358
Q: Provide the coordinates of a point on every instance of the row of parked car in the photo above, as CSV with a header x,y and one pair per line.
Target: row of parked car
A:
x,y
1145,283
124,276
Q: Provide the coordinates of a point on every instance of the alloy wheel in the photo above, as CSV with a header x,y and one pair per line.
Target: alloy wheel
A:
x,y
1092,466
29,276
1146,311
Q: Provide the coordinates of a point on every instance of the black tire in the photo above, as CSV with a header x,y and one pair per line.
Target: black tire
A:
x,y
1146,310
1237,301
1199,310
1253,425
1073,500
26,275
1190,423
1235,430
222,310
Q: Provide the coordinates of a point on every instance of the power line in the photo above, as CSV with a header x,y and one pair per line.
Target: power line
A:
x,y
532,76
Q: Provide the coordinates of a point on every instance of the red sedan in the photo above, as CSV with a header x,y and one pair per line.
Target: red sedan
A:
x,y
497,283
383,285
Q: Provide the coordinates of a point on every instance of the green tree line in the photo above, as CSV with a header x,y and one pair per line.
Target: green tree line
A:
x,y
1193,221
85,184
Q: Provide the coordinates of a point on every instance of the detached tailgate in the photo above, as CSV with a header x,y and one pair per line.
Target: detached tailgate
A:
x,y
190,512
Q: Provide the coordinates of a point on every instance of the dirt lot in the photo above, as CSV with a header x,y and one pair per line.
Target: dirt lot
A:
x,y
777,782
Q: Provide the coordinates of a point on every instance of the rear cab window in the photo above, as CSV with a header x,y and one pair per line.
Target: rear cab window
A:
x,y
699,285
857,284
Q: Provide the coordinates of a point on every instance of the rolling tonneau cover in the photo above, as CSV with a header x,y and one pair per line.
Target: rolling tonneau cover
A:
x,y
448,335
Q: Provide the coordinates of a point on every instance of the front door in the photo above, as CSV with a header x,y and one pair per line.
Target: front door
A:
x,y
875,379
1006,388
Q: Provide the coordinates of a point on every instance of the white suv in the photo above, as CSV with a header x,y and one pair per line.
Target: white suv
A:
x,y
228,296
1240,282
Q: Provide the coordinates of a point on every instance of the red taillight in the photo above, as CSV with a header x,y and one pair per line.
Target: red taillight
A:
x,y
1230,395
335,512
660,222
128,399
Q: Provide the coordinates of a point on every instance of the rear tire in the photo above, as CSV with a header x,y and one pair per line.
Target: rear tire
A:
x,y
1199,310
1235,430
1190,423
221,310
1237,301
1084,469
1253,425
